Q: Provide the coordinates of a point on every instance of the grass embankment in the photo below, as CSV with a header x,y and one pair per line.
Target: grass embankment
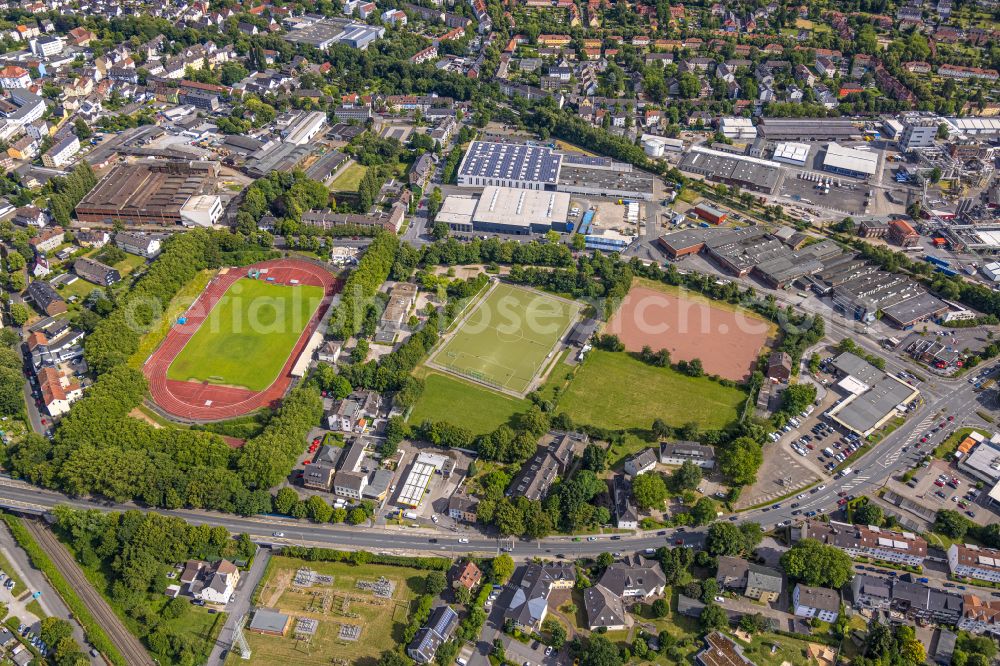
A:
x,y
178,305
96,635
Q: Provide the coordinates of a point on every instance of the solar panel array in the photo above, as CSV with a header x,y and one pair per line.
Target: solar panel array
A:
x,y
510,161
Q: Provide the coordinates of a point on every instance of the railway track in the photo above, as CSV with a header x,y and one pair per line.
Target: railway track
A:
x,y
130,647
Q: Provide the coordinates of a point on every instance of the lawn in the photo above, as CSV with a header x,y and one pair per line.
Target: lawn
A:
x,y
481,410
786,650
614,390
507,338
349,178
382,621
948,446
248,335
178,304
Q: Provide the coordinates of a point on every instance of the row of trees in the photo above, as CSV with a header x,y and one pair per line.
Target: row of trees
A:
x,y
360,288
66,192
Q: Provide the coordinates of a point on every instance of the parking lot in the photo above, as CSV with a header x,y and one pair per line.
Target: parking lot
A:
x,y
844,193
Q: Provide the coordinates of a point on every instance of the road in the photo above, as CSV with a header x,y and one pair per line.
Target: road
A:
x,y
123,639
239,605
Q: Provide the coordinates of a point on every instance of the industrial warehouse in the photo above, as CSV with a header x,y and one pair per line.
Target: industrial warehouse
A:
x,y
531,167
507,210
856,287
154,192
750,173
872,396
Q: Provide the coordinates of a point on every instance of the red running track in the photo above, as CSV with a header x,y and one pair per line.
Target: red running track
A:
x,y
202,401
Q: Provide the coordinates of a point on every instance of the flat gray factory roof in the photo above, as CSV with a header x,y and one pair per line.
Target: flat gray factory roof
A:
x,y
914,309
619,181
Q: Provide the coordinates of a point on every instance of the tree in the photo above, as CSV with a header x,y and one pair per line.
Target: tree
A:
x,y
703,512
435,583
600,652
595,458
439,231
462,594
82,129
728,539
753,623
19,314
951,524
318,510
815,563
869,513
649,490
503,568
797,397
285,500
661,608
686,477
740,461
713,617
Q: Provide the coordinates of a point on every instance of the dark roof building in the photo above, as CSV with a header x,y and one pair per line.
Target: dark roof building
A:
x,y
438,630
96,272
45,298
553,459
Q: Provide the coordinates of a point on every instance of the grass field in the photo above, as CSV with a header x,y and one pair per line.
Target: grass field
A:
x,y
508,337
248,335
481,410
178,304
349,179
614,390
381,620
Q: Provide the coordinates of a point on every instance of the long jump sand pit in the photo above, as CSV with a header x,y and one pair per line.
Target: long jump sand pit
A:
x,y
726,339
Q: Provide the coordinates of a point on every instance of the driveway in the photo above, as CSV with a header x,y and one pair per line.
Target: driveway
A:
x,y
239,604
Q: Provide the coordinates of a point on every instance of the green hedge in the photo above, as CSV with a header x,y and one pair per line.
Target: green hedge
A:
x,y
365,557
94,632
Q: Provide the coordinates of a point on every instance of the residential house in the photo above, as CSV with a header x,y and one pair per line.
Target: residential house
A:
x,y
61,154
467,575
721,650
463,508
94,271
94,239
525,603
927,604
25,148
871,592
45,298
329,352
58,390
640,463
144,245
553,459
633,579
779,366
211,583
47,240
626,514
979,617
866,541
355,413
438,630
753,580
818,602
977,562
677,453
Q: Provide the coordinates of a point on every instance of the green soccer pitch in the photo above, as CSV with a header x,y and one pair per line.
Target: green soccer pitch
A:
x,y
247,337
507,338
